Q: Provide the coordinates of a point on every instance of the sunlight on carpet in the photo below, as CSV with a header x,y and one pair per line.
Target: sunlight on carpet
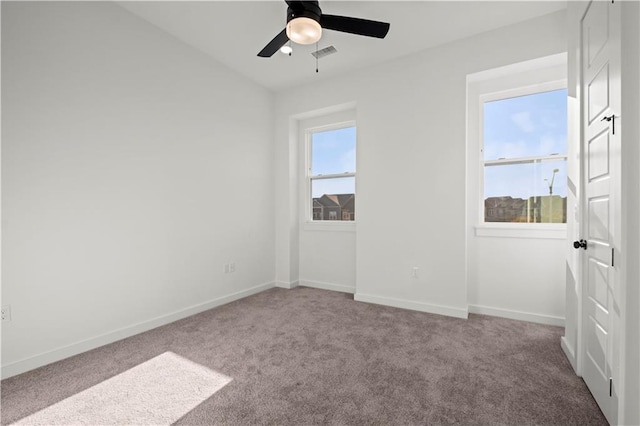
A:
x,y
158,391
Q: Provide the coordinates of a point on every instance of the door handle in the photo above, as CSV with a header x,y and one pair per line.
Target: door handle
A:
x,y
581,243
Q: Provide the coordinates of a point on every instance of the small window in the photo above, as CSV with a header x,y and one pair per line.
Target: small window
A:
x,y
524,158
332,173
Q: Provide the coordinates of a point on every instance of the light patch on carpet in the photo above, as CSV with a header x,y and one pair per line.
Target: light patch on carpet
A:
x,y
158,391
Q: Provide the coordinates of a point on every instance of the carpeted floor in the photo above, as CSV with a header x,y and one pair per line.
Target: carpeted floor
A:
x,y
307,356
156,392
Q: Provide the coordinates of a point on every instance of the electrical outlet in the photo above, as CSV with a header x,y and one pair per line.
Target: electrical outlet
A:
x,y
6,313
232,267
414,272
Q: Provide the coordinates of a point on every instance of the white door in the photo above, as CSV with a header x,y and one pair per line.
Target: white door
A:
x,y
601,163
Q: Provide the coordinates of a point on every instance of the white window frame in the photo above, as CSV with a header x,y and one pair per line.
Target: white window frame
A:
x,y
508,94
526,78
309,177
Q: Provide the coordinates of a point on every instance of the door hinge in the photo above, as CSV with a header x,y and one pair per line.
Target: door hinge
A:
x,y
612,257
610,386
612,119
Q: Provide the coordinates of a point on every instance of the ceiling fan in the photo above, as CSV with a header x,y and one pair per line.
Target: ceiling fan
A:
x,y
305,22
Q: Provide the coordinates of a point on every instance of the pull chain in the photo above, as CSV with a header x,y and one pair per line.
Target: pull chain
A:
x,y
316,56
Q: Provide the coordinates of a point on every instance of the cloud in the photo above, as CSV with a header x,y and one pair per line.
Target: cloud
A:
x,y
523,121
551,145
502,149
514,149
348,160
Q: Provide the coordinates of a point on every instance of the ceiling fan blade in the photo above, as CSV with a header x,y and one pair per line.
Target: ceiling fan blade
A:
x,y
275,44
358,26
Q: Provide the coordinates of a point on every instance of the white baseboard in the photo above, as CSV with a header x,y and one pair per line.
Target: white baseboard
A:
x,y
290,285
58,354
517,315
414,306
570,354
329,286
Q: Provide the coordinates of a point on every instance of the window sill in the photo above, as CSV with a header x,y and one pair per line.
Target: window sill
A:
x,y
332,226
542,231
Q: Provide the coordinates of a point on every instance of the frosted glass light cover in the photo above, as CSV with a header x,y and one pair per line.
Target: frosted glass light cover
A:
x,y
304,30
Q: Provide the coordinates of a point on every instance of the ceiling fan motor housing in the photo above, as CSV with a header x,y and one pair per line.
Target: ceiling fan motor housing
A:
x,y
303,9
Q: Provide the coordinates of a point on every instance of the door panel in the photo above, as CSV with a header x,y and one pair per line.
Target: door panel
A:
x,y
598,93
598,231
595,346
598,156
597,282
597,30
601,163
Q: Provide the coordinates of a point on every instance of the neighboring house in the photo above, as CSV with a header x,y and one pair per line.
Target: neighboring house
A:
x,y
505,209
543,209
334,207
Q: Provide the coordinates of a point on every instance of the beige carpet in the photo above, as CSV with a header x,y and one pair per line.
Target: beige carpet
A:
x,y
156,392
315,357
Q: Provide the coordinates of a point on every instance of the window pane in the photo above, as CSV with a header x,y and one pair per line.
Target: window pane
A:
x,y
532,192
333,151
526,126
333,199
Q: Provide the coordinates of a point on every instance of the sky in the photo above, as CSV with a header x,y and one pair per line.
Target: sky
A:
x,y
526,126
332,152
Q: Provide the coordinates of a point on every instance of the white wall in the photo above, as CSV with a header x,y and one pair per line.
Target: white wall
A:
x,y
520,278
133,168
411,162
327,259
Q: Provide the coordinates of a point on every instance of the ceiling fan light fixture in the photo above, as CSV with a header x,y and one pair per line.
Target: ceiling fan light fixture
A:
x,y
304,30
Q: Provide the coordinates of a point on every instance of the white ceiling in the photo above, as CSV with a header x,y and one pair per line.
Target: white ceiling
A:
x,y
233,32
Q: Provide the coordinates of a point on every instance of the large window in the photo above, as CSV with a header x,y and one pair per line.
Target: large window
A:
x,y
524,156
331,173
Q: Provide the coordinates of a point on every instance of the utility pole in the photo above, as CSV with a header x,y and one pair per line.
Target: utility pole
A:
x,y
550,184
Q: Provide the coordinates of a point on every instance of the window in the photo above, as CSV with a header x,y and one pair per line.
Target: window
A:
x,y
331,172
524,156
